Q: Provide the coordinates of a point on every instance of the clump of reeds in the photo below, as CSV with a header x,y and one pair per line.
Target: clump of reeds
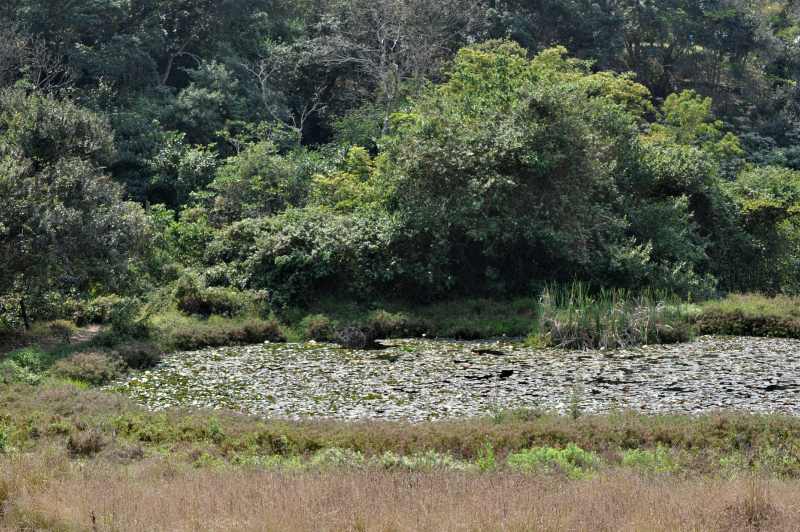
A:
x,y
573,316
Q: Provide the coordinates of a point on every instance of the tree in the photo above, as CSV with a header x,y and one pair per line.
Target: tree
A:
x,y
280,72
392,43
506,172
769,199
28,58
63,224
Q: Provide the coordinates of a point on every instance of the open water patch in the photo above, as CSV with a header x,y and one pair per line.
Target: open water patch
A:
x,y
428,379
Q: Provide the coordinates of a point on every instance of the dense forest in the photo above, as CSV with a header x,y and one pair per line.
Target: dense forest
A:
x,y
412,149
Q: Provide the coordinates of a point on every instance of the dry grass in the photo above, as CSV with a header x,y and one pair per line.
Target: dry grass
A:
x,y
51,493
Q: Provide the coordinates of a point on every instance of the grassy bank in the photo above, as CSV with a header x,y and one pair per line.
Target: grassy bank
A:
x,y
96,425
751,315
567,317
73,458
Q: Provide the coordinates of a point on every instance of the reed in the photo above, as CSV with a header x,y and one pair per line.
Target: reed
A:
x,y
574,316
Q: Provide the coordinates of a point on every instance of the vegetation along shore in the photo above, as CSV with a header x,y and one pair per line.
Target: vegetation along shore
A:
x,y
399,265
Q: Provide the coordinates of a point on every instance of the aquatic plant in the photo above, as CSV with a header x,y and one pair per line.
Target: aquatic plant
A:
x,y
574,316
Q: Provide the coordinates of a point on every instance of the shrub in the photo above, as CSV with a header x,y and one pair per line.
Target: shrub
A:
x,y
62,329
383,324
300,253
32,359
97,310
428,461
126,320
751,315
335,457
11,372
86,443
93,367
572,460
318,327
738,324
108,339
658,460
3,439
199,335
139,355
354,338
209,301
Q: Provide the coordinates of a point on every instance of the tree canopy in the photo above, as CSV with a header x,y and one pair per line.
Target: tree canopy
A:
x,y
398,147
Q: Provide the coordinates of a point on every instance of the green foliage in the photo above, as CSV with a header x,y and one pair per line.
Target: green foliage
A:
x,y
769,200
318,327
574,317
93,367
350,188
571,461
299,253
425,461
64,224
658,460
496,173
97,310
303,157
187,336
33,359
127,319
750,315
139,355
178,169
260,182
192,297
383,324
486,460
11,372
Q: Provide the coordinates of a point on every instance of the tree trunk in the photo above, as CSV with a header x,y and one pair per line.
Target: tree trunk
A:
x,y
23,312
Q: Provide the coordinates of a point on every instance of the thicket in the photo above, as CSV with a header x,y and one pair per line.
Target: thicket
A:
x,y
256,157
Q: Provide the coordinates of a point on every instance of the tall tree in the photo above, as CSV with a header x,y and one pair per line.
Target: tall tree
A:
x,y
63,223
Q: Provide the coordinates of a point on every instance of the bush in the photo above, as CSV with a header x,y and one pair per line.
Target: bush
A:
x,y
126,320
354,338
193,298
301,253
97,311
318,327
93,367
199,335
751,315
62,329
737,323
86,443
657,460
383,324
11,373
32,359
139,355
428,461
572,460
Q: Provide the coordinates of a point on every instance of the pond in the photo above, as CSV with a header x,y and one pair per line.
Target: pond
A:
x,y
427,379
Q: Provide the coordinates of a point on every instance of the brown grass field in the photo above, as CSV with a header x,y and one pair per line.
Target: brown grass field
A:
x,y
48,491
73,459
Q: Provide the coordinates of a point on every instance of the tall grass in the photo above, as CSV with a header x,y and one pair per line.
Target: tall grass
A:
x,y
573,316
156,496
